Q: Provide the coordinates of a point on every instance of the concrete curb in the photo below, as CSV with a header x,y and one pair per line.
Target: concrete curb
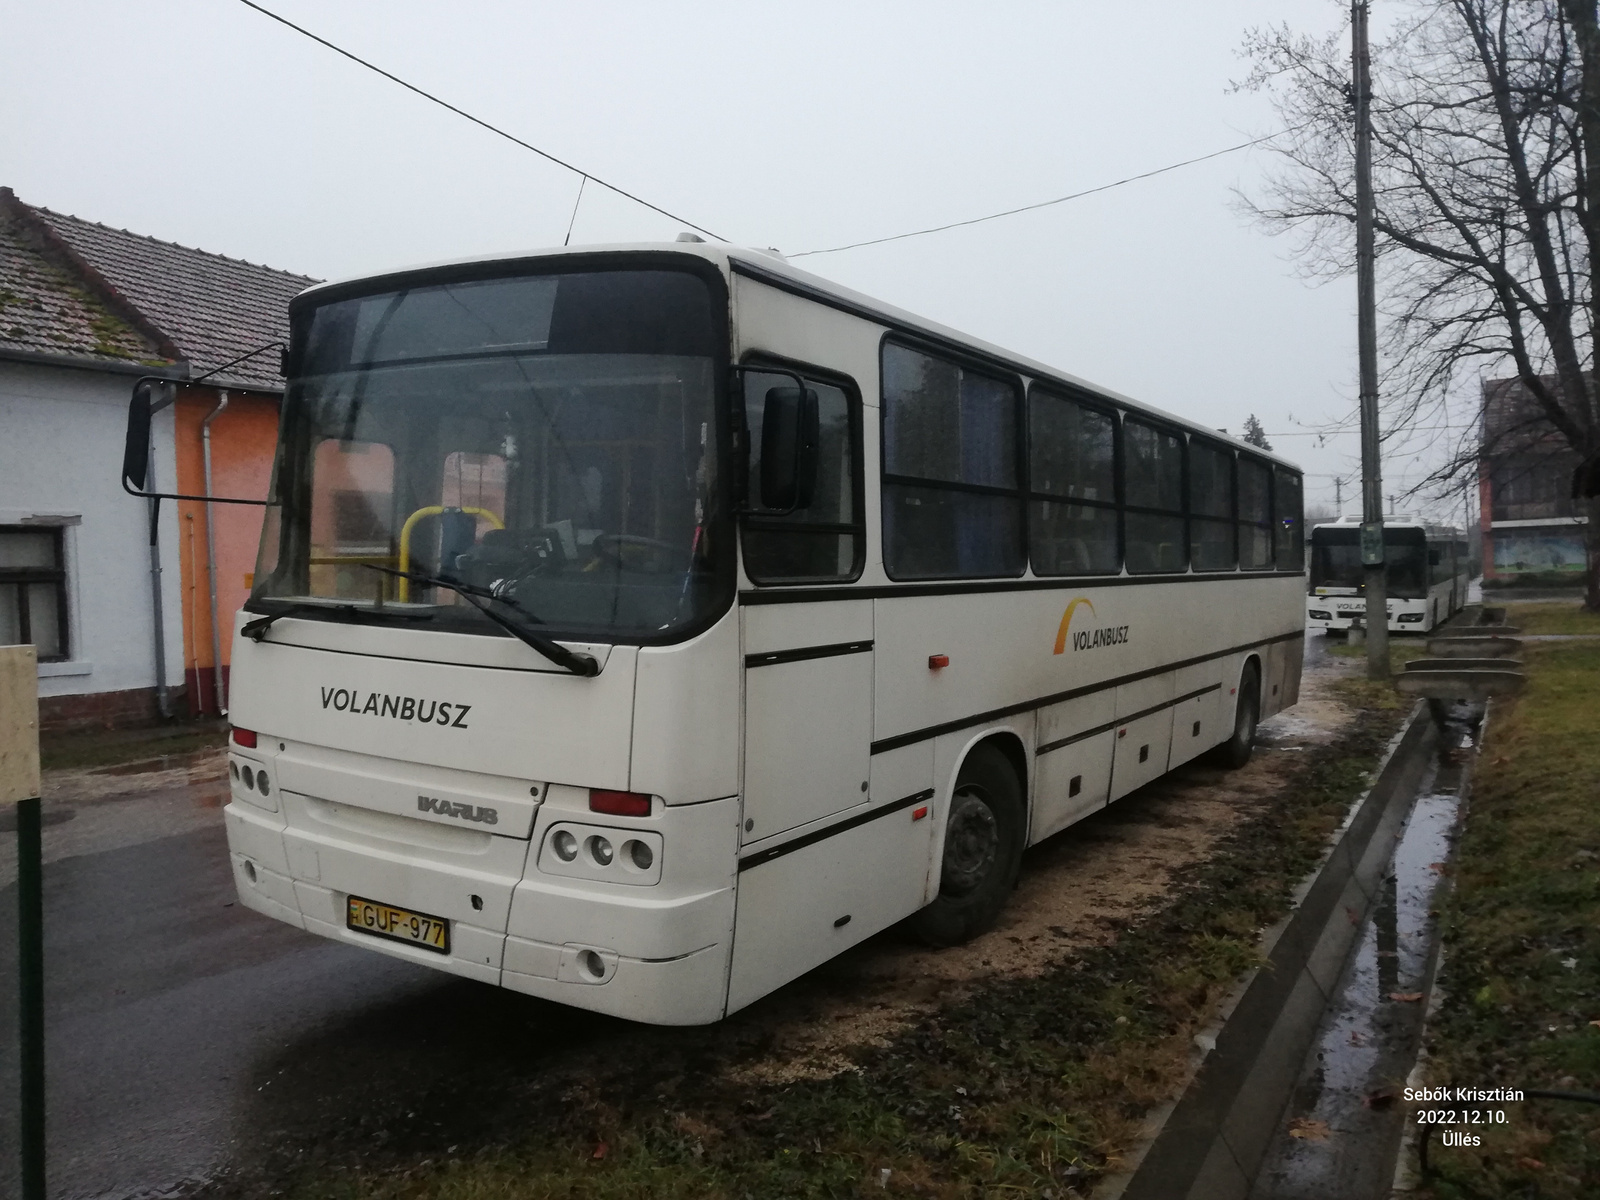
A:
x,y
1212,1142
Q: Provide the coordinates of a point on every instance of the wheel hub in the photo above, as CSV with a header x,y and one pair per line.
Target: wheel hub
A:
x,y
971,844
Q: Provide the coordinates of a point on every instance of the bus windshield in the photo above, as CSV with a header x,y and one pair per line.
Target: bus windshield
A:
x,y
550,438
1336,560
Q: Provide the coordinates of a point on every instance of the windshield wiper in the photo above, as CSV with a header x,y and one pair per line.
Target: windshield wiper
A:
x,y
347,613
579,664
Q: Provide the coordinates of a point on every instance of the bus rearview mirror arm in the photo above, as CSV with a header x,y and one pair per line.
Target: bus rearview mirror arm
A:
x,y
152,393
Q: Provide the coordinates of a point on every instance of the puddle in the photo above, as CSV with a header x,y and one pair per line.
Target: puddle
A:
x,y
1343,1125
167,762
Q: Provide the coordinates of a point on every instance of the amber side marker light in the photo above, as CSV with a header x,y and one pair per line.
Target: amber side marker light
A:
x,y
244,737
619,804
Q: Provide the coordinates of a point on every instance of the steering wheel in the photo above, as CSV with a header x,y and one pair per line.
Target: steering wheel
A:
x,y
634,552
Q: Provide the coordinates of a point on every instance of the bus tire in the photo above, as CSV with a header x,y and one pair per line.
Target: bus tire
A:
x,y
983,844
1235,752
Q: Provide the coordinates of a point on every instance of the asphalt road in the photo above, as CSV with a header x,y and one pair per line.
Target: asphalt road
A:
x,y
189,1039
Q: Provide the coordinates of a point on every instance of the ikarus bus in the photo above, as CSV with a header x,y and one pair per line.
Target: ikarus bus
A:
x,y
1426,573
640,627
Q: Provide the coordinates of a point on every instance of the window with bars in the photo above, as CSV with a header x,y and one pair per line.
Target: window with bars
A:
x,y
1255,515
33,591
1289,535
952,492
1153,524
1073,487
1212,545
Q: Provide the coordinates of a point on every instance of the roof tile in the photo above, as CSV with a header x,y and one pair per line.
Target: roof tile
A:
x,y
212,307
46,309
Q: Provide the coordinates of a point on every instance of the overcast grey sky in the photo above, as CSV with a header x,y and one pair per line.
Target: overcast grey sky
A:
x,y
799,126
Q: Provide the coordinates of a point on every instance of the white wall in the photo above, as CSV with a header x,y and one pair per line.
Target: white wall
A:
x,y
61,438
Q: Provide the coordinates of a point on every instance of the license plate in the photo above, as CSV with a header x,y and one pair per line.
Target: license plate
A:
x,y
399,924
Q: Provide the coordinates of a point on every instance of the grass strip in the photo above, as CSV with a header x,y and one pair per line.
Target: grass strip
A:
x,y
1521,973
1028,1086
1558,616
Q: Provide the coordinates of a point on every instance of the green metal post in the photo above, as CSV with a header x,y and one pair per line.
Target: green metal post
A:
x,y
30,994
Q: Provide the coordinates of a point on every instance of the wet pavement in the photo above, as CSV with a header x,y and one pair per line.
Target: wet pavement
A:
x,y
1343,1128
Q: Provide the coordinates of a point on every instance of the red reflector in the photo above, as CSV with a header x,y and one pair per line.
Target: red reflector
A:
x,y
935,661
245,737
918,813
619,804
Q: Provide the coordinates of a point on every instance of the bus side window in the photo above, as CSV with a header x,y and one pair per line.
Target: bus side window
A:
x,y
825,540
1288,540
1153,499
1255,515
1211,532
1072,487
952,501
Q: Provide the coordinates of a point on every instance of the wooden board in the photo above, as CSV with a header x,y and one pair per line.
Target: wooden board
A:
x,y
19,724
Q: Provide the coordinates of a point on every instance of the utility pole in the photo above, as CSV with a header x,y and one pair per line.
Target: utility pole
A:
x,y
1372,558
1338,495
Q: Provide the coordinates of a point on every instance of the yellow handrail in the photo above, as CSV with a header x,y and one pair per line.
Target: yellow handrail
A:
x,y
431,510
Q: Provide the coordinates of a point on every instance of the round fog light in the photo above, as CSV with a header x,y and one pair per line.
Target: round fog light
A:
x,y
593,965
600,850
640,854
249,777
233,768
565,845
262,785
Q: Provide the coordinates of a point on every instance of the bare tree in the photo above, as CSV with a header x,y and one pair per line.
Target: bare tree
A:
x,y
1486,154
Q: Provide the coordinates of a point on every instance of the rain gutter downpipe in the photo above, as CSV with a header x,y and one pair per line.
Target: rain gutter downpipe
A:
x,y
211,558
158,627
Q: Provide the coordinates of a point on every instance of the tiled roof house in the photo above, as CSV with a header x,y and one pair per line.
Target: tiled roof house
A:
x,y
84,309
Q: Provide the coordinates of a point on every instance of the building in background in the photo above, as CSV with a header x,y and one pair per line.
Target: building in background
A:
x,y
128,628
1533,531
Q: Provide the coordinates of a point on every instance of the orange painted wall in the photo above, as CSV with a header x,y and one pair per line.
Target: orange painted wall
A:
x,y
242,442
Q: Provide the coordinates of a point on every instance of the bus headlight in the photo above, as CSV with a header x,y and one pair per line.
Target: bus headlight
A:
x,y
1318,614
1411,616
564,845
600,850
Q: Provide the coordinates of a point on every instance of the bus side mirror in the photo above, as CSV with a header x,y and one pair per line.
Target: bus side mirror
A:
x,y
789,436
150,396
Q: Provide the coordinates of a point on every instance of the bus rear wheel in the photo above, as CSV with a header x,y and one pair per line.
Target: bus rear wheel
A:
x,y
982,851
1235,752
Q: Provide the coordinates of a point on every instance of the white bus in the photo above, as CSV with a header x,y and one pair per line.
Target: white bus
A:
x,y
640,627
1426,573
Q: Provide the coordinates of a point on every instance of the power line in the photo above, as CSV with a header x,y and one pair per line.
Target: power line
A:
x,y
1011,212
460,112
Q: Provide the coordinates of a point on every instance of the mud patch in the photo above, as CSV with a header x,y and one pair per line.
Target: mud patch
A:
x,y
205,772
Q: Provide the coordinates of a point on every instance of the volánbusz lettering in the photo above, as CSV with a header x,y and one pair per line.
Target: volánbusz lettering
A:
x,y
1106,635
401,708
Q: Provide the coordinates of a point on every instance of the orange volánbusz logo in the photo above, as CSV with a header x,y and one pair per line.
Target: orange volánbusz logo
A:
x,y
1089,637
